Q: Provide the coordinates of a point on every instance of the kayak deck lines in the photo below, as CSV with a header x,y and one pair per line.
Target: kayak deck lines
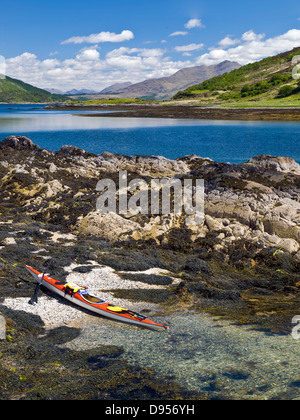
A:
x,y
80,296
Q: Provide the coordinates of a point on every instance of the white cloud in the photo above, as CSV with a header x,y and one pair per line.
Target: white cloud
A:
x,y
101,37
194,23
91,71
141,52
2,67
179,33
49,64
252,36
252,47
88,55
228,42
190,47
140,59
28,57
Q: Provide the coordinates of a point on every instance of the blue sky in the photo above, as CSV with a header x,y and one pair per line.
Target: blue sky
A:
x,y
92,44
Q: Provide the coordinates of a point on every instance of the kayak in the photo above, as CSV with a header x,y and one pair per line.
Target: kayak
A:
x,y
80,296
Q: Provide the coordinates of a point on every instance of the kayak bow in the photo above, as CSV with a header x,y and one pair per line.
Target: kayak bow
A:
x,y
81,297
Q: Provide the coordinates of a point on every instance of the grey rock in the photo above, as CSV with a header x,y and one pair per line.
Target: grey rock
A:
x,y
18,142
280,164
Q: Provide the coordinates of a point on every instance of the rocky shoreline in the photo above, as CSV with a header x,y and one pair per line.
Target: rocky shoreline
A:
x,y
186,112
241,263
251,226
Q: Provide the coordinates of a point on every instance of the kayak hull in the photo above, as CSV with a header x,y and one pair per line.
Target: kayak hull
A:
x,y
82,298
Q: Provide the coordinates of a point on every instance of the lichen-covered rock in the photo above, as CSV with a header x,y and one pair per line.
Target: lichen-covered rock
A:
x,y
278,163
110,226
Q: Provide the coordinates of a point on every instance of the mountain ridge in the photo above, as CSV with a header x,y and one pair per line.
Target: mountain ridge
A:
x,y
166,87
114,87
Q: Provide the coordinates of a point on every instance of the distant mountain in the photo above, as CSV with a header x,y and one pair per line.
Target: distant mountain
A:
x,y
166,87
72,92
114,88
16,91
55,91
81,92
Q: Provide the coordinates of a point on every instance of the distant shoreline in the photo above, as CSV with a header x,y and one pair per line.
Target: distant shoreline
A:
x,y
186,112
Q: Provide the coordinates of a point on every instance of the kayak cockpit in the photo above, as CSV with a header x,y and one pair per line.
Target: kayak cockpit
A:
x,y
91,299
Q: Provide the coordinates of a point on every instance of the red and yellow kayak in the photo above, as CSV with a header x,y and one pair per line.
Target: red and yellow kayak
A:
x,y
80,296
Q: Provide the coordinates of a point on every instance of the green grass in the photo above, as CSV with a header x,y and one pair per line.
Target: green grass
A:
x,y
268,103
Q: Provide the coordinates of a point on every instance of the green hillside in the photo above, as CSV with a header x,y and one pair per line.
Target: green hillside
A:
x,y
267,82
15,91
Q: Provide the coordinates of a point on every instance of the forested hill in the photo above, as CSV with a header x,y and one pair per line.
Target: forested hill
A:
x,y
16,91
268,79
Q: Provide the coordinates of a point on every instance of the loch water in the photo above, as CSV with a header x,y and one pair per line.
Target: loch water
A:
x,y
222,141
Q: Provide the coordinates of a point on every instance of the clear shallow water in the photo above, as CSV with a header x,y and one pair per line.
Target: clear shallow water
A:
x,y
213,357
227,141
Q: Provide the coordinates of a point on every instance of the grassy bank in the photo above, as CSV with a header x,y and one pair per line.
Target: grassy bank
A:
x,y
266,83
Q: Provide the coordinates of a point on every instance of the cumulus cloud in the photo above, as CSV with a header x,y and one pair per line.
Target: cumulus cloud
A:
x,y
190,47
179,33
88,69
101,37
138,59
91,69
88,55
194,23
2,67
141,52
228,42
252,36
252,47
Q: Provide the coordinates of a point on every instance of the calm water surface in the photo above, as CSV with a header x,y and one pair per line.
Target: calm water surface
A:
x,y
214,357
233,141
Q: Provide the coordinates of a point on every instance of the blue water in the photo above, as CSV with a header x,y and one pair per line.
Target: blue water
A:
x,y
224,141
